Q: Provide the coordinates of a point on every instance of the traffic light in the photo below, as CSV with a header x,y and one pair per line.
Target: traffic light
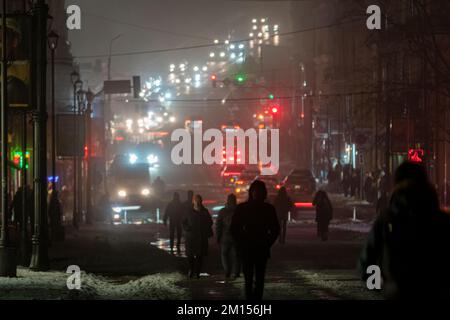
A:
x,y
214,80
275,110
271,96
240,78
18,159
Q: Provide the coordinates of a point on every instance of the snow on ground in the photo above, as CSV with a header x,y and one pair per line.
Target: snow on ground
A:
x,y
344,284
52,285
361,227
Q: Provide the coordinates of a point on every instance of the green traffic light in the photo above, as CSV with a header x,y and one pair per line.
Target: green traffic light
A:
x,y
271,96
240,78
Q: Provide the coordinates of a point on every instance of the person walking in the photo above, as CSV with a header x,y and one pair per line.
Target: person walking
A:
x,y
187,205
255,228
324,213
197,225
174,214
347,179
228,249
368,184
283,205
410,241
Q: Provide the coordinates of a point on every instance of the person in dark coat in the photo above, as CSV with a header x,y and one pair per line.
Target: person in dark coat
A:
x,y
16,212
368,185
187,205
228,249
324,213
347,179
283,205
174,213
55,216
410,241
255,228
197,225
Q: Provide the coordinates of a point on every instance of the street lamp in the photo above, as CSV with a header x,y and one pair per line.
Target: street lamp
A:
x,y
90,98
52,41
77,84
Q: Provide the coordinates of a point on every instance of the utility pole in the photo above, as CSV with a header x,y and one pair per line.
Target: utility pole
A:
x,y
39,258
107,113
8,263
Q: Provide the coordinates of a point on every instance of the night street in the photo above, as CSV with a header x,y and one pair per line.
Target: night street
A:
x,y
231,150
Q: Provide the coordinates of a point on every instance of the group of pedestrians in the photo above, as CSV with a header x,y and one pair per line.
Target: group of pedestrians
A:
x,y
245,233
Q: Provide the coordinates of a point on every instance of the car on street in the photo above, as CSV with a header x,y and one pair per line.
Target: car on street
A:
x,y
300,185
130,192
230,174
247,176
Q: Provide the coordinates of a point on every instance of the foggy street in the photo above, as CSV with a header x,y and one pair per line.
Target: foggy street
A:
x,y
219,150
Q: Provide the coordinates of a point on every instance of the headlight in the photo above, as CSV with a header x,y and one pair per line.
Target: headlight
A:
x,y
133,158
117,216
152,159
122,193
145,192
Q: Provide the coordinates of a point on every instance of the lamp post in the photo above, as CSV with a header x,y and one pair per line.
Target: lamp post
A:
x,y
52,41
90,98
81,97
39,258
8,265
76,82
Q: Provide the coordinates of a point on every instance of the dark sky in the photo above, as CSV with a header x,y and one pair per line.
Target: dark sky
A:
x,y
196,21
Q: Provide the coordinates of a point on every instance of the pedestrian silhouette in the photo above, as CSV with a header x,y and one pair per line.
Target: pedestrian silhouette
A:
x,y
174,214
159,187
228,247
197,225
187,205
283,205
324,213
255,228
410,240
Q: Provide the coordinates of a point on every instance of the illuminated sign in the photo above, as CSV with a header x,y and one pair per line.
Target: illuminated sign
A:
x,y
416,155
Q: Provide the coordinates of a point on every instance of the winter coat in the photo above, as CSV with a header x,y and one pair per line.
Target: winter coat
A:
x,y
174,213
255,228
283,205
324,209
223,225
410,242
198,228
